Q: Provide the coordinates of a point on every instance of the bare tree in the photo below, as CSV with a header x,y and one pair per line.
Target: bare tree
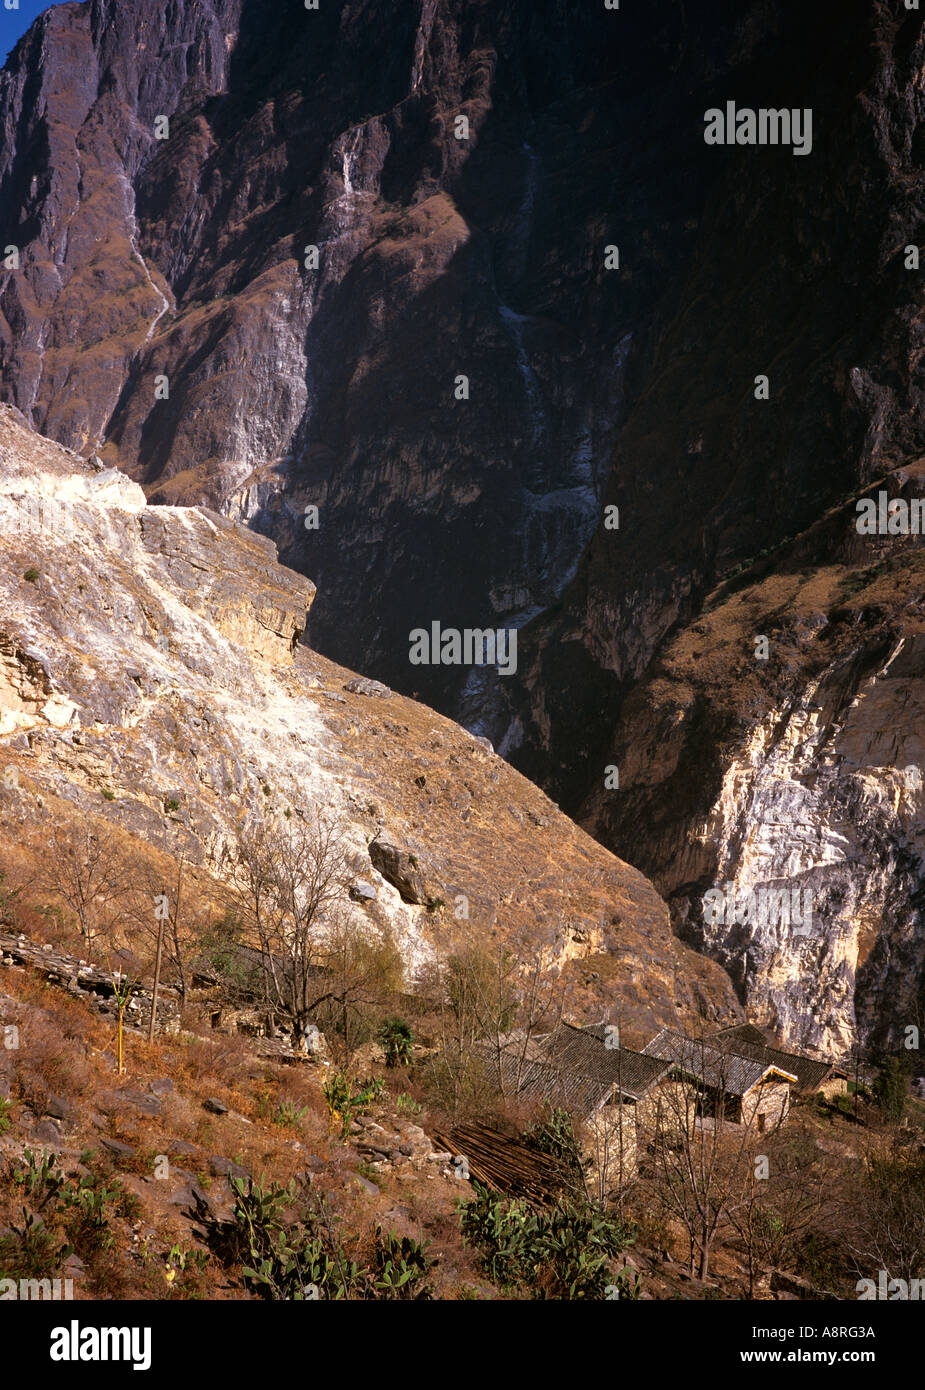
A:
x,y
287,885
885,1214
84,865
164,912
788,1194
701,1159
362,973
458,1075
492,1004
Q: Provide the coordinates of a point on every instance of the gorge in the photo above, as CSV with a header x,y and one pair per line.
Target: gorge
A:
x,y
610,286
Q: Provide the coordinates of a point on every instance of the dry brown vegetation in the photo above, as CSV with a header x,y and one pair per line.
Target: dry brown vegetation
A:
x,y
838,1201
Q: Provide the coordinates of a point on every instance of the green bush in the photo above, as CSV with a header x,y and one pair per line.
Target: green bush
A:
x,y
401,1267
82,1205
288,1116
346,1099
562,1253
39,1179
289,1251
554,1134
397,1037
407,1105
282,1260
890,1090
31,1251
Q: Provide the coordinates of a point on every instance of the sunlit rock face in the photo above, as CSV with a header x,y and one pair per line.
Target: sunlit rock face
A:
x,y
828,800
800,773
152,675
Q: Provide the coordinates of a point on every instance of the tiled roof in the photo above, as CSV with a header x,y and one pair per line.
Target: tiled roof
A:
x,y
809,1072
540,1081
718,1069
742,1032
572,1067
585,1050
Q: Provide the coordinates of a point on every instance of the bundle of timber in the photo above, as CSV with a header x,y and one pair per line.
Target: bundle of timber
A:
x,y
504,1163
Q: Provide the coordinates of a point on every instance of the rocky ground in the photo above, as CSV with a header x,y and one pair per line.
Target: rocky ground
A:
x,y
189,1113
163,1140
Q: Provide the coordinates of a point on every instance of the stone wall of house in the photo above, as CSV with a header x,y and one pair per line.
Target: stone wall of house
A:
x,y
610,1142
767,1105
668,1109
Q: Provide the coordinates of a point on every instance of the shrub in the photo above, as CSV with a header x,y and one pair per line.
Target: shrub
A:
x,y
890,1090
397,1038
344,1100
31,574
89,1215
183,1270
82,1206
555,1135
31,1251
49,1065
566,1252
401,1267
290,1250
38,1179
407,1105
286,1260
9,899
288,1116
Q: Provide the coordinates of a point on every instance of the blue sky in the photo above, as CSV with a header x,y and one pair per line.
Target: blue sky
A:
x,y
14,23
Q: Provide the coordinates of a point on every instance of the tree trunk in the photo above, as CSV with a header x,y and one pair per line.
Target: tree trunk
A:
x,y
157,981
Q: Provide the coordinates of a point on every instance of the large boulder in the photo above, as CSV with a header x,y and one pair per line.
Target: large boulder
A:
x,y
402,869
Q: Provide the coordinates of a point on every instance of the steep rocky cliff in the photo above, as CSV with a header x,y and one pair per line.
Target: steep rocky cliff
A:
x,y
793,764
169,311
152,675
334,384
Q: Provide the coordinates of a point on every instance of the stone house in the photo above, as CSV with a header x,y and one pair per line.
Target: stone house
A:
x,y
738,1090
602,1086
814,1077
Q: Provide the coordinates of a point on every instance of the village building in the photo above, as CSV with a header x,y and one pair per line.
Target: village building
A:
x,y
605,1088
625,1101
732,1088
814,1077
